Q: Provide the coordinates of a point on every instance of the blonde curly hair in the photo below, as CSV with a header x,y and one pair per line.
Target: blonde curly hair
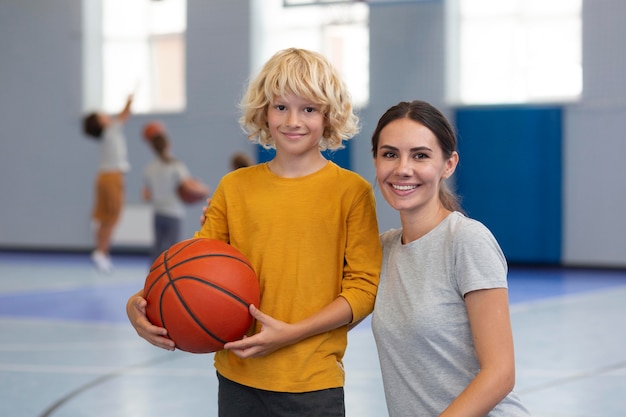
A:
x,y
306,74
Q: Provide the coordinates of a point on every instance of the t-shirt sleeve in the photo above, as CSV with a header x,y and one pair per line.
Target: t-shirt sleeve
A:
x,y
182,172
479,261
216,224
363,257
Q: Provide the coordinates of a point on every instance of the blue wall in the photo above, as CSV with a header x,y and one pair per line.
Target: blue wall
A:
x,y
509,177
341,156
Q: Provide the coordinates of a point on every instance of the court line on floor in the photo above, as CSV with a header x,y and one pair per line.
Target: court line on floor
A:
x,y
67,346
573,378
100,380
524,306
106,371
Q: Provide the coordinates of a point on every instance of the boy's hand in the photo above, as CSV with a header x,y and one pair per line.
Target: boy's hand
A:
x,y
204,210
125,113
136,311
274,335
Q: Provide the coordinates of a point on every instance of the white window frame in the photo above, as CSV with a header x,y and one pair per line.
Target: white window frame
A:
x,y
139,50
513,51
338,31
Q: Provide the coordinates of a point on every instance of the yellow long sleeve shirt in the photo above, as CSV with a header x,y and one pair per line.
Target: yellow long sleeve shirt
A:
x,y
310,240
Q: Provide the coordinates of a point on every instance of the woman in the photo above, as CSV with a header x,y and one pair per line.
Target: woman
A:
x,y
441,319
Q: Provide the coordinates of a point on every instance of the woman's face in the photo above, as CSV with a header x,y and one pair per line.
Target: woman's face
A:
x,y
410,165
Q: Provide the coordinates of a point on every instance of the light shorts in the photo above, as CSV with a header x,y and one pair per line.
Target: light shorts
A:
x,y
109,196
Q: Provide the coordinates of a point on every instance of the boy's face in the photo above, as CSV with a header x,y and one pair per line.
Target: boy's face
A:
x,y
296,124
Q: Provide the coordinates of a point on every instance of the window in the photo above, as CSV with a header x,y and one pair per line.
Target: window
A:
x,y
135,46
514,51
338,31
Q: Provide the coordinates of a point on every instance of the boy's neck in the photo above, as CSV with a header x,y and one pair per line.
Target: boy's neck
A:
x,y
295,168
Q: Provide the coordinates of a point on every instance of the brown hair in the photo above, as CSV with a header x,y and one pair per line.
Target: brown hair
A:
x,y
240,160
92,126
160,145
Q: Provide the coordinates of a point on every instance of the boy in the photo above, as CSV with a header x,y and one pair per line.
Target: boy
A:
x,y
309,229
109,195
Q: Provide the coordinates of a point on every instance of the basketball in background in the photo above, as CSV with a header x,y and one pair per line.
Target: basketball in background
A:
x,y
151,129
200,290
192,190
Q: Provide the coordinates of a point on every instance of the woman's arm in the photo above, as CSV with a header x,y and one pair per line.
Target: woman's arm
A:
x,y
488,312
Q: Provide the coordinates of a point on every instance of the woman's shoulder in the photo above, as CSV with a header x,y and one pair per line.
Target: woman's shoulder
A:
x,y
459,223
468,232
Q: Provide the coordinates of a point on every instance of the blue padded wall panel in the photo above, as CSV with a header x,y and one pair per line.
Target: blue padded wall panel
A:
x,y
509,177
341,156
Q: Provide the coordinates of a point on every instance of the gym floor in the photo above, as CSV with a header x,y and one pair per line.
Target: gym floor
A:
x,y
67,349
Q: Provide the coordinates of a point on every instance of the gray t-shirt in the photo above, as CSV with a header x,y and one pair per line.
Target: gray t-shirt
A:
x,y
163,179
420,321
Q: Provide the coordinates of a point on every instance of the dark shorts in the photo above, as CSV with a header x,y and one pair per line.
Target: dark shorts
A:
x,y
167,231
236,400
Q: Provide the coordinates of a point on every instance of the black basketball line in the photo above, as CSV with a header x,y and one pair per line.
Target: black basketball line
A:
x,y
169,268
191,242
167,272
172,284
210,284
195,319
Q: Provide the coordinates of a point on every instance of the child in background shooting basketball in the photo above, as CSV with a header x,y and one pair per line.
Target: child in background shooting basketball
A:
x,y
162,179
309,229
109,199
441,320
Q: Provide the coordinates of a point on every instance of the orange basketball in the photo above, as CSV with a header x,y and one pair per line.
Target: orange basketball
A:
x,y
192,191
200,290
151,129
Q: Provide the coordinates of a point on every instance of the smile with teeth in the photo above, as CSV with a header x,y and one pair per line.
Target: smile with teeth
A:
x,y
403,187
293,135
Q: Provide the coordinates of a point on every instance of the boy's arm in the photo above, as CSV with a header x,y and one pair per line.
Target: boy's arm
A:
x,y
363,256
146,194
356,301
276,334
125,113
136,311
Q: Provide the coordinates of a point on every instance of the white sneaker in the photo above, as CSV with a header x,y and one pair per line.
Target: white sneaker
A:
x,y
103,263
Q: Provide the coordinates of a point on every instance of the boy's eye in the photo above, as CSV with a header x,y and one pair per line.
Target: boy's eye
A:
x,y
280,107
309,109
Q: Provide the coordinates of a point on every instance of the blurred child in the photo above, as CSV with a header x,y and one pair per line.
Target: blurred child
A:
x,y
109,188
309,229
240,160
163,178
